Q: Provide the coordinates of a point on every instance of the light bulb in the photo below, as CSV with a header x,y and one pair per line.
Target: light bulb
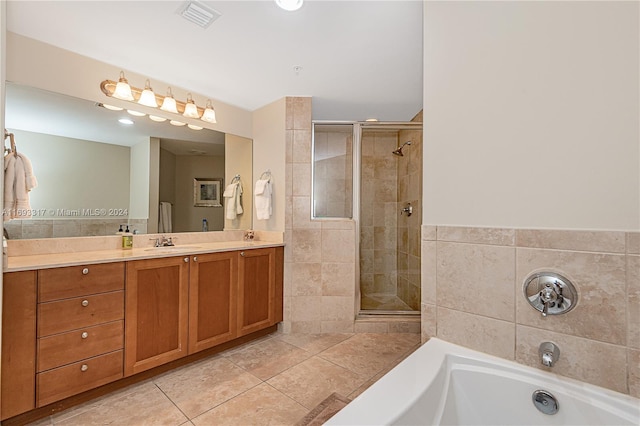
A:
x,y
123,90
190,108
169,104
209,114
148,98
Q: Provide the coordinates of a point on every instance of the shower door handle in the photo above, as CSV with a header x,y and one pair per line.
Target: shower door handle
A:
x,y
408,209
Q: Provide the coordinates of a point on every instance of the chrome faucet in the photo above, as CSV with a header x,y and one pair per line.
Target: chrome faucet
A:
x,y
163,241
549,353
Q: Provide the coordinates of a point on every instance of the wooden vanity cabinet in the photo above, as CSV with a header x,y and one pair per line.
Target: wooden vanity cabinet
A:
x,y
18,343
80,329
213,282
157,303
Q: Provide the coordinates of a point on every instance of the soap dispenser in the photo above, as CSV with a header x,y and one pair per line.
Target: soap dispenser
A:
x,y
205,225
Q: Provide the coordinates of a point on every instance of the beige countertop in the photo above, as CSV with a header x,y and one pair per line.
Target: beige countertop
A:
x,y
54,260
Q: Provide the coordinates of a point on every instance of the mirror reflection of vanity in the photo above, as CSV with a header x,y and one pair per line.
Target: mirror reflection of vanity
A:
x,y
95,174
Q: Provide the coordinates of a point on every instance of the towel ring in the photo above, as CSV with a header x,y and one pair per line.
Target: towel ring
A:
x,y
235,179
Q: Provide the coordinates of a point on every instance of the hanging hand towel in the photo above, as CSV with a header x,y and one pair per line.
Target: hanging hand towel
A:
x,y
233,194
164,224
18,181
263,199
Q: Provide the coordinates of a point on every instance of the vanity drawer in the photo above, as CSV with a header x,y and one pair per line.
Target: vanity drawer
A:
x,y
60,383
61,349
76,281
72,314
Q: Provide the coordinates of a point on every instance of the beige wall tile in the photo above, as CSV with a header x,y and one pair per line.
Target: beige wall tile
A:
x,y
343,326
429,232
477,332
302,113
301,174
461,234
633,360
288,146
476,279
373,326
428,272
344,224
301,146
288,215
306,308
428,321
338,245
302,214
600,281
306,245
306,279
338,308
633,301
306,327
289,106
409,326
598,241
338,279
593,362
633,242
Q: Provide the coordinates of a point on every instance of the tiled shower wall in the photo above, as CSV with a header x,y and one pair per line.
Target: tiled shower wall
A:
x,y
320,255
472,295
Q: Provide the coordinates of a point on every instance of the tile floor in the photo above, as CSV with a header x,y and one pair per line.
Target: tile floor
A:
x,y
275,380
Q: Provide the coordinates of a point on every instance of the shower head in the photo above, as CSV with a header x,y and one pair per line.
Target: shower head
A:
x,y
398,151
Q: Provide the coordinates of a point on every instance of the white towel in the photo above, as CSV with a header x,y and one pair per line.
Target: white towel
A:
x,y
263,199
164,220
18,181
233,194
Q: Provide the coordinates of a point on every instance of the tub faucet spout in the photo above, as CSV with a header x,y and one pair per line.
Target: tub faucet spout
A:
x,y
549,353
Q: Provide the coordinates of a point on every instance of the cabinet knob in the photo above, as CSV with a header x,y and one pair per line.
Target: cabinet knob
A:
x,y
85,303
195,258
84,335
242,253
85,271
186,260
84,367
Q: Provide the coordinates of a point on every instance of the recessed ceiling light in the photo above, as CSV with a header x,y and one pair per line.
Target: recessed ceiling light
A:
x,y
371,119
289,5
125,121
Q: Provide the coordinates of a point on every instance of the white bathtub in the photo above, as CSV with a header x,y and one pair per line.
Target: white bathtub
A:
x,y
445,384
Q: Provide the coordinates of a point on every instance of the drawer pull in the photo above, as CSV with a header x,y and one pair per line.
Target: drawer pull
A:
x,y
84,335
195,258
85,303
84,367
242,253
186,260
85,271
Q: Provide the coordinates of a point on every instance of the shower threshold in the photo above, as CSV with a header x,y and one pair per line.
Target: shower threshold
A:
x,y
377,313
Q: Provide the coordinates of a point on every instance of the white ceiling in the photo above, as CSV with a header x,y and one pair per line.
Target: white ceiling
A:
x,y
358,59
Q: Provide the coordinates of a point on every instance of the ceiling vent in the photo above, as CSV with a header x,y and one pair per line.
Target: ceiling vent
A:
x,y
199,14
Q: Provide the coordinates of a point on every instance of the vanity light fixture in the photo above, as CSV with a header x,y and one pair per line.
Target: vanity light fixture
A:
x,y
122,90
136,113
289,5
112,108
147,97
193,127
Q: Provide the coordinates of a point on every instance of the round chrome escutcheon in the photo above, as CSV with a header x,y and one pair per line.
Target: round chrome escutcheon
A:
x,y
545,402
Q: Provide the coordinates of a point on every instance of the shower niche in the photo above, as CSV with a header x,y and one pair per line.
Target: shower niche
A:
x,y
372,172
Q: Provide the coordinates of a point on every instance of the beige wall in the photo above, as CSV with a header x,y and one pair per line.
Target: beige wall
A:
x,y
532,114
269,150
532,122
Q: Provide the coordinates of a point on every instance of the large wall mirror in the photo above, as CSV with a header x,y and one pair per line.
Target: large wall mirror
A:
x,y
96,173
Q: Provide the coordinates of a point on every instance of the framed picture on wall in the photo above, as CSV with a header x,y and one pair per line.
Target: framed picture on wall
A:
x,y
207,192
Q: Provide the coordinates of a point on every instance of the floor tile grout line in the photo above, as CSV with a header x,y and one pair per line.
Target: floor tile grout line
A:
x,y
228,400
173,402
289,397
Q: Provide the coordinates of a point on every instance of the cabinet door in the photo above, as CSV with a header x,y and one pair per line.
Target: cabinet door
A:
x,y
156,312
18,343
256,290
213,281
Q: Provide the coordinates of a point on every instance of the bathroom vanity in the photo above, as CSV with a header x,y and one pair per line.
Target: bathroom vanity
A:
x,y
79,325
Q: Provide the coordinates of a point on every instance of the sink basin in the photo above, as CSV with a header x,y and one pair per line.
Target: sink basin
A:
x,y
171,249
